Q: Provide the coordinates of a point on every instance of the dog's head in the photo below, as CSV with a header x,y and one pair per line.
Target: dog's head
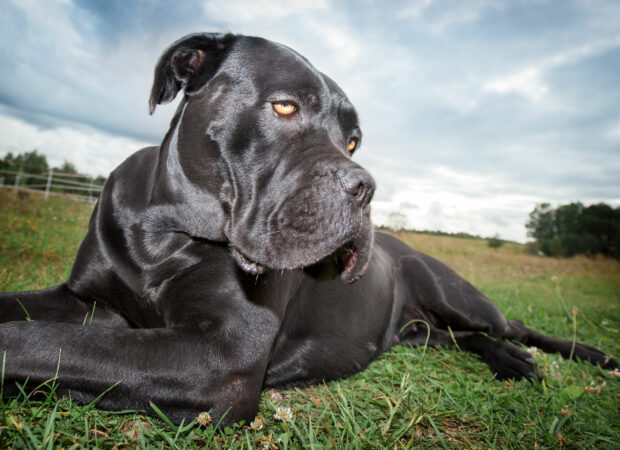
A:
x,y
269,139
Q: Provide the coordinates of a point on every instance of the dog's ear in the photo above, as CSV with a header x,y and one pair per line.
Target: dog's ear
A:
x,y
188,64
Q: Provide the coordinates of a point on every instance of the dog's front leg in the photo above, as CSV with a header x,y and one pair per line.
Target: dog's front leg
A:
x,y
217,366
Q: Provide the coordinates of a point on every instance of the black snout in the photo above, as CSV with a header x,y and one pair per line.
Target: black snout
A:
x,y
358,184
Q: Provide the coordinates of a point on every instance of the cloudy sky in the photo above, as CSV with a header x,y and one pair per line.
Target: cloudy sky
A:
x,y
472,111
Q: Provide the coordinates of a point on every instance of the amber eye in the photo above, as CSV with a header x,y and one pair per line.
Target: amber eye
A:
x,y
352,144
285,110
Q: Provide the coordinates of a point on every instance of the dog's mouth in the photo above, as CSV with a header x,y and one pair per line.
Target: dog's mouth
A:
x,y
247,264
341,262
346,258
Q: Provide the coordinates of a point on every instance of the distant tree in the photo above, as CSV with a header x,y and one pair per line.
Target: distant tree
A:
x,y
397,221
568,229
67,182
600,225
66,176
6,162
67,167
33,162
27,162
541,226
575,229
495,242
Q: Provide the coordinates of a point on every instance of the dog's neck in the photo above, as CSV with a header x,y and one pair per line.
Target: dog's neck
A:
x,y
196,211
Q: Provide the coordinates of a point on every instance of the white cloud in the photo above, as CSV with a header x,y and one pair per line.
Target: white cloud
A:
x,y
613,132
44,27
253,10
581,52
93,152
414,9
454,201
345,47
438,16
526,83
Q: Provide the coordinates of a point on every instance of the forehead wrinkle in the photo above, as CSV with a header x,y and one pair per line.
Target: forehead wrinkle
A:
x,y
331,93
305,62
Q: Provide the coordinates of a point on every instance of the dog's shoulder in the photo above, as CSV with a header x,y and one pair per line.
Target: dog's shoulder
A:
x,y
133,179
136,163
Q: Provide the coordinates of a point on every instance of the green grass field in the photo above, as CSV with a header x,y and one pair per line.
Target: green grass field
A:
x,y
409,398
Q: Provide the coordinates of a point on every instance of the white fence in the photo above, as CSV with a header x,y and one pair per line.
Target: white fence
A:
x,y
54,182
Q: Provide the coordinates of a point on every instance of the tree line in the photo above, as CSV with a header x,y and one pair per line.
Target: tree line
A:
x,y
31,169
573,229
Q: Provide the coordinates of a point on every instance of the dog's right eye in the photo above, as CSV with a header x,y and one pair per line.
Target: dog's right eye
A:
x,y
285,110
352,144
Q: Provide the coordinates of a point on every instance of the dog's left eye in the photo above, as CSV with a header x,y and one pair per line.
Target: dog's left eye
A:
x,y
352,144
285,110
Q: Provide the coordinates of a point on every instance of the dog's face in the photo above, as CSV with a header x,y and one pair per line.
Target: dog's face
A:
x,y
271,138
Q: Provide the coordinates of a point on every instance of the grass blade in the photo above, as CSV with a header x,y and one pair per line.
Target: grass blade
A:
x,y
432,422
161,415
24,308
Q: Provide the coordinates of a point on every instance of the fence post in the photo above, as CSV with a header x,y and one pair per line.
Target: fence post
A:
x,y
16,182
48,185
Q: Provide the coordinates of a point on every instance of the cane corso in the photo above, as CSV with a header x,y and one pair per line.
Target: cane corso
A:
x,y
239,255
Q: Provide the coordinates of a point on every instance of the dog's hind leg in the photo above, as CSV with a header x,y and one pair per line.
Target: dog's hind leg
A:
x,y
55,304
441,308
518,332
436,291
458,313
503,358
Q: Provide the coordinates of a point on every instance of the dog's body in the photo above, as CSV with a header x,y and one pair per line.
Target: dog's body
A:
x,y
223,261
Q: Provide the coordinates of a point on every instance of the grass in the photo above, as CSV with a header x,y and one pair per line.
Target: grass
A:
x,y
409,398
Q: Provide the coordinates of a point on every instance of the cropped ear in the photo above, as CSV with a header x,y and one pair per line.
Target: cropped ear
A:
x,y
188,64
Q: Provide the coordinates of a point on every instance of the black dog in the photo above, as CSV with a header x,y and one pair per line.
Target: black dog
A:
x,y
222,262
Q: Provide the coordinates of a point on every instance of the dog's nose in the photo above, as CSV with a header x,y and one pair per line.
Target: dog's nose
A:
x,y
358,184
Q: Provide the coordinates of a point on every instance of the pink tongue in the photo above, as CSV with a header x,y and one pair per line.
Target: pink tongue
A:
x,y
348,260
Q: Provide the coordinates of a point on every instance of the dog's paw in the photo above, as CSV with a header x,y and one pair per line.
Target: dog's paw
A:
x,y
610,363
594,356
509,361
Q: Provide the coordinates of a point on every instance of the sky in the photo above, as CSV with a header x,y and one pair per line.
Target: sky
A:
x,y
472,111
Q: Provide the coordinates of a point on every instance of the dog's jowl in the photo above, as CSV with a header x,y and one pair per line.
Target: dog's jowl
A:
x,y
239,254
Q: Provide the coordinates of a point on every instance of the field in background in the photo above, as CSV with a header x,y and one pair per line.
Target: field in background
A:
x,y
38,238
415,398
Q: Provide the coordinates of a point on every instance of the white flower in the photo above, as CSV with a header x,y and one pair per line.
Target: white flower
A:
x,y
275,395
258,422
283,413
204,419
533,351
